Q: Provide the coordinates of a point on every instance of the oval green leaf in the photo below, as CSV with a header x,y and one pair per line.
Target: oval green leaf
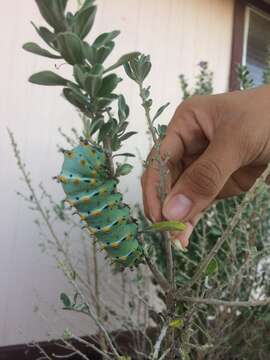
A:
x,y
48,78
70,47
123,60
36,49
168,226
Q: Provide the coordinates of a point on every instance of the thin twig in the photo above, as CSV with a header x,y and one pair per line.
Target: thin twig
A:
x,y
217,302
162,185
158,343
92,315
42,351
161,280
77,351
166,352
88,344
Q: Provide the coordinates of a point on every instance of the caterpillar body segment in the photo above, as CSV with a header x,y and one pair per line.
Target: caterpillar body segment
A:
x,y
86,182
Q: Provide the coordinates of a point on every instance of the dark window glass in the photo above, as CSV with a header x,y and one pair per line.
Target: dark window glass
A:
x,y
257,44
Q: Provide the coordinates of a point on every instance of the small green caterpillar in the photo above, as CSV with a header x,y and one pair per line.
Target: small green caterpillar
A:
x,y
86,182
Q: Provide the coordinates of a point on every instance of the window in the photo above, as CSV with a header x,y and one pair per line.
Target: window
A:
x,y
251,39
256,50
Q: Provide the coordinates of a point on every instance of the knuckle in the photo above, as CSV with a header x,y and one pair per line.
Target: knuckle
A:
x,y
190,103
204,178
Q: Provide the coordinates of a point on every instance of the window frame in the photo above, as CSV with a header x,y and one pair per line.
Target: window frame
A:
x,y
240,33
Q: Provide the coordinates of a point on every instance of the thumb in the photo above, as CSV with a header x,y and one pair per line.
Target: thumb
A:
x,y
202,181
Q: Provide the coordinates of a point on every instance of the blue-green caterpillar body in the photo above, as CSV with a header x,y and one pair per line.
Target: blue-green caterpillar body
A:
x,y
86,180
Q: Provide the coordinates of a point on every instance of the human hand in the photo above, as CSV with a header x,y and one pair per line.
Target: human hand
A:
x,y
217,146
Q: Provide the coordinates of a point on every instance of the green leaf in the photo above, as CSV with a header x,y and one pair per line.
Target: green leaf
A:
x,y
129,71
53,12
176,324
212,267
105,130
103,52
65,300
96,125
67,334
75,99
59,6
48,78
123,60
140,67
162,131
46,35
168,226
127,135
116,143
93,81
36,49
70,47
105,38
84,20
124,154
123,109
123,169
103,102
146,92
89,53
160,111
79,75
109,83
78,94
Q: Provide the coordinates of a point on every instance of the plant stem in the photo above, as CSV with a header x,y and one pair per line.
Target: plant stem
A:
x,y
217,302
170,301
162,185
159,342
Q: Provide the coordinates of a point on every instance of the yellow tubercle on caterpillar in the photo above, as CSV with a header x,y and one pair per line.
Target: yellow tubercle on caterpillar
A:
x,y
112,205
69,154
94,173
76,181
92,152
121,220
103,191
92,231
83,162
123,258
85,200
115,245
84,143
98,166
93,182
62,179
106,229
96,212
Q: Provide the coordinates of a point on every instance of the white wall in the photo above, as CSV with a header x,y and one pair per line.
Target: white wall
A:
x,y
177,34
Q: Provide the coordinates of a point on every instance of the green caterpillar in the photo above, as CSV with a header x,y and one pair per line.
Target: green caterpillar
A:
x,y
89,188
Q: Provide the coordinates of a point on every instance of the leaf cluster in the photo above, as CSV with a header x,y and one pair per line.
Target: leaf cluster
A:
x,y
93,87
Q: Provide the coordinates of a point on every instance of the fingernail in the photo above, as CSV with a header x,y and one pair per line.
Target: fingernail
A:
x,y
177,208
178,245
